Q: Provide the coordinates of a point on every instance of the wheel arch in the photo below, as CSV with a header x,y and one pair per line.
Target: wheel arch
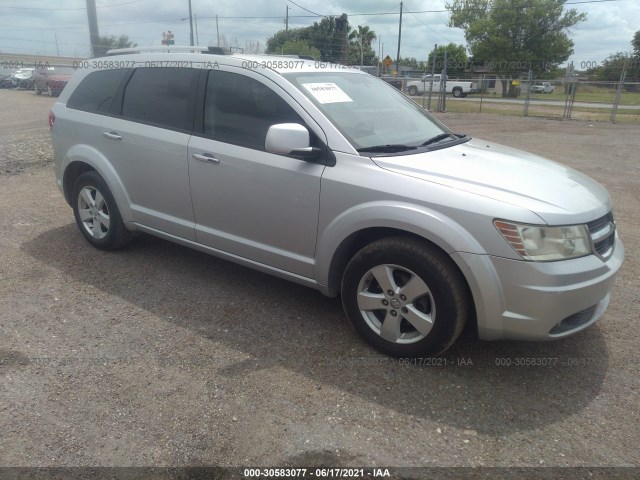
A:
x,y
361,238
369,222
83,158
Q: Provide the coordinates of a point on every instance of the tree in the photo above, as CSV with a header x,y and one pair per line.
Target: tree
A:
x,y
360,50
298,47
456,59
108,42
513,36
418,65
612,67
329,36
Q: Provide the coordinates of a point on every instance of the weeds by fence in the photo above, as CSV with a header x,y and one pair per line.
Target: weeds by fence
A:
x,y
567,98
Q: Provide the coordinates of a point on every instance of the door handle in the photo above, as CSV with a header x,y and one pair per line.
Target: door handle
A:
x,y
205,157
112,135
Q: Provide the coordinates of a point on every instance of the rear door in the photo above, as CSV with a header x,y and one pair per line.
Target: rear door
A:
x,y
146,141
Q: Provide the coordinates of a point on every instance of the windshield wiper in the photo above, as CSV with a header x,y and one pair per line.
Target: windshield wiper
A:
x,y
438,138
386,148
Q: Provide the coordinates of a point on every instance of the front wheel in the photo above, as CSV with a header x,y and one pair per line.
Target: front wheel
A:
x,y
406,298
97,214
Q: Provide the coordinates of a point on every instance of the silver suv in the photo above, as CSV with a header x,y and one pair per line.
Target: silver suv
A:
x,y
329,177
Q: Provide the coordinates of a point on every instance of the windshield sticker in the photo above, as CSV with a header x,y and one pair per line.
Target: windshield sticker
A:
x,y
327,92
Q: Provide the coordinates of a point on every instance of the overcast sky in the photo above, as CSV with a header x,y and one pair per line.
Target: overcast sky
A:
x,y
32,26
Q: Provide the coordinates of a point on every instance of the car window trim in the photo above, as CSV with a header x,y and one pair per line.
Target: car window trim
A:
x,y
118,100
328,158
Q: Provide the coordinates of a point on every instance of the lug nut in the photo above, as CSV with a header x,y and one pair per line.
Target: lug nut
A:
x,y
403,297
393,313
385,302
390,293
405,310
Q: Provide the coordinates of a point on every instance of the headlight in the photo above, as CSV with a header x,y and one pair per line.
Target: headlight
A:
x,y
544,244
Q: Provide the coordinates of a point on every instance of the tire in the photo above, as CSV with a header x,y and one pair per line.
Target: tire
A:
x,y
97,214
395,284
413,91
457,92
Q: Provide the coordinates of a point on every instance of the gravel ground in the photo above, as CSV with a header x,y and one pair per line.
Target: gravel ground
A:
x,y
160,355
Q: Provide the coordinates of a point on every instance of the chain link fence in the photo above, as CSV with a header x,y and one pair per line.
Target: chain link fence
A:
x,y
569,98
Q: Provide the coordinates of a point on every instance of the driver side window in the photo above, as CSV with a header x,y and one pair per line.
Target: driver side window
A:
x,y
239,110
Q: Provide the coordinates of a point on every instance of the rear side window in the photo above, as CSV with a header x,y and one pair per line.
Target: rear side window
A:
x,y
161,96
95,92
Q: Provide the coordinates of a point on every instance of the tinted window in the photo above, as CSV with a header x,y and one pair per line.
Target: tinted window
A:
x,y
95,92
240,110
161,96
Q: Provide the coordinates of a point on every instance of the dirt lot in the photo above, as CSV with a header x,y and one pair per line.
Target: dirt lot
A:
x,y
159,355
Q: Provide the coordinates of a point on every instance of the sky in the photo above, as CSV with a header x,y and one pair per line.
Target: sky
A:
x,y
42,27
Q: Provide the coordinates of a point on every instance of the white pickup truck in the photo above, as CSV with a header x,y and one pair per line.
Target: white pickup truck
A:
x,y
542,87
457,89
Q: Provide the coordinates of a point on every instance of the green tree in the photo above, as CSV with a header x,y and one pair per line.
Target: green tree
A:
x,y
108,42
329,36
612,67
415,64
360,49
636,44
456,59
513,36
298,47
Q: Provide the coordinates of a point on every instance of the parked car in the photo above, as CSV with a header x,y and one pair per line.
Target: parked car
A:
x,y
5,77
332,179
51,79
542,87
456,88
23,78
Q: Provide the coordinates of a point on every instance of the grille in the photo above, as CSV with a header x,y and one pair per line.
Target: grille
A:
x,y
603,236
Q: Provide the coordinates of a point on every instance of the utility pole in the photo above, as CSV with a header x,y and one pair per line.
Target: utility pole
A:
x,y
195,17
94,36
286,21
399,37
57,49
217,31
190,25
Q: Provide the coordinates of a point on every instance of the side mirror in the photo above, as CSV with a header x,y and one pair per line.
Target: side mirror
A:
x,y
290,139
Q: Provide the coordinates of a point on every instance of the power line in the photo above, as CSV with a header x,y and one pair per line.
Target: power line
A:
x,y
305,9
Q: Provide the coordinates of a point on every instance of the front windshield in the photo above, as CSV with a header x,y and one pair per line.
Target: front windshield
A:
x,y
367,110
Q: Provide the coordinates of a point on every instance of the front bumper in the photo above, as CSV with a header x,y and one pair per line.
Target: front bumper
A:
x,y
522,300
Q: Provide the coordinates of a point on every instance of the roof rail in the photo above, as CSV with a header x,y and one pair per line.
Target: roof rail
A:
x,y
157,49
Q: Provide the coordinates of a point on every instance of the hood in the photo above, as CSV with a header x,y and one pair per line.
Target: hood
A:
x,y
556,193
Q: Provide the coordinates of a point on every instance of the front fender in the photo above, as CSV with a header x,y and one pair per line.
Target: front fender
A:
x,y
429,224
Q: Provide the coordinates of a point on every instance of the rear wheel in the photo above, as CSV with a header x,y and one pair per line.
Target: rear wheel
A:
x,y
457,92
97,214
406,298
